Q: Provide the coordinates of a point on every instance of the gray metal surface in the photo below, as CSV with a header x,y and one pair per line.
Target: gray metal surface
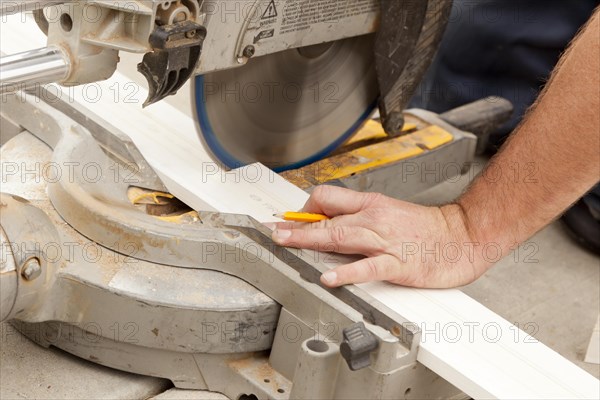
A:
x,y
116,144
8,277
29,371
220,300
8,130
480,118
40,66
270,28
178,394
35,271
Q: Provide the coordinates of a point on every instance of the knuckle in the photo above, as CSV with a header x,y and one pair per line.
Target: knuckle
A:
x,y
321,192
326,224
371,269
376,214
303,236
338,234
378,247
372,198
387,231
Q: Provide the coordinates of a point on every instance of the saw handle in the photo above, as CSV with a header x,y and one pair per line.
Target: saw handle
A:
x,y
481,118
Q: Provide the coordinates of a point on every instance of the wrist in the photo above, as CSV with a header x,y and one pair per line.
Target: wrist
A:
x,y
463,233
458,223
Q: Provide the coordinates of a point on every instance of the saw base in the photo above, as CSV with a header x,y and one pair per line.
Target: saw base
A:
x,y
135,292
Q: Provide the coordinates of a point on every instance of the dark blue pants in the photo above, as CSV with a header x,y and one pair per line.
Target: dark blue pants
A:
x,y
500,47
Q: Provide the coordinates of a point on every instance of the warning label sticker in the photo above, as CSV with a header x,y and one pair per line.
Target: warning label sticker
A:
x,y
300,15
278,25
270,11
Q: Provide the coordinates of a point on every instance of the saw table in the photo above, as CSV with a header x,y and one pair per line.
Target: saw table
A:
x,y
167,317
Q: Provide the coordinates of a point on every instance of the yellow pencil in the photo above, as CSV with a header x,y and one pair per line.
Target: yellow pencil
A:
x,y
301,217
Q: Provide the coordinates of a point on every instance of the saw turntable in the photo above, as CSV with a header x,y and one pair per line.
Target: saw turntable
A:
x,y
100,260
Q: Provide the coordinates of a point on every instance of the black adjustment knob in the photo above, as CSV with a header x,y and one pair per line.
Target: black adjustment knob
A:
x,y
357,346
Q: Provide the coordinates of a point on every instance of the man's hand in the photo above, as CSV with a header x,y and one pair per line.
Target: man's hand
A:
x,y
404,243
453,245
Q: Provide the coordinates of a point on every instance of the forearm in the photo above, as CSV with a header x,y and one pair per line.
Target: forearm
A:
x,y
550,161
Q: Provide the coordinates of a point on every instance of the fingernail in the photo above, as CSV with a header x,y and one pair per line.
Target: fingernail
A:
x,y
329,277
281,234
271,226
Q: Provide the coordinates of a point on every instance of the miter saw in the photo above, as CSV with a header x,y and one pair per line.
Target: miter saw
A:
x,y
280,82
206,299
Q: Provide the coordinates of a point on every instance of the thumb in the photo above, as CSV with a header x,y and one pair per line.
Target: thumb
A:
x,y
334,201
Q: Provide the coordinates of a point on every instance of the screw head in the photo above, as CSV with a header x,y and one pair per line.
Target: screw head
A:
x,y
190,34
249,51
32,269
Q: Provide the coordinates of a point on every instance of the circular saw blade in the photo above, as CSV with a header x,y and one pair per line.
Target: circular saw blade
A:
x,y
288,109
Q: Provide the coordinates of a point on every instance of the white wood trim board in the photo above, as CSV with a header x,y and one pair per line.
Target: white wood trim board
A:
x,y
464,342
592,355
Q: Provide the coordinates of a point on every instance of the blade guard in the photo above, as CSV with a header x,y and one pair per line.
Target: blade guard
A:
x,y
407,40
176,51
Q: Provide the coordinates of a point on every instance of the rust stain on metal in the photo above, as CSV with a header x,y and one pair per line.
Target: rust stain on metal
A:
x,y
258,369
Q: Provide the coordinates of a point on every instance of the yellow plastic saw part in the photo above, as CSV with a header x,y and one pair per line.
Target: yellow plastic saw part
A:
x,y
381,154
142,196
373,130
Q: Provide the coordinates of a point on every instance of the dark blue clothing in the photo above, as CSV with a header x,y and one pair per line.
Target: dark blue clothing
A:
x,y
500,47
509,48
